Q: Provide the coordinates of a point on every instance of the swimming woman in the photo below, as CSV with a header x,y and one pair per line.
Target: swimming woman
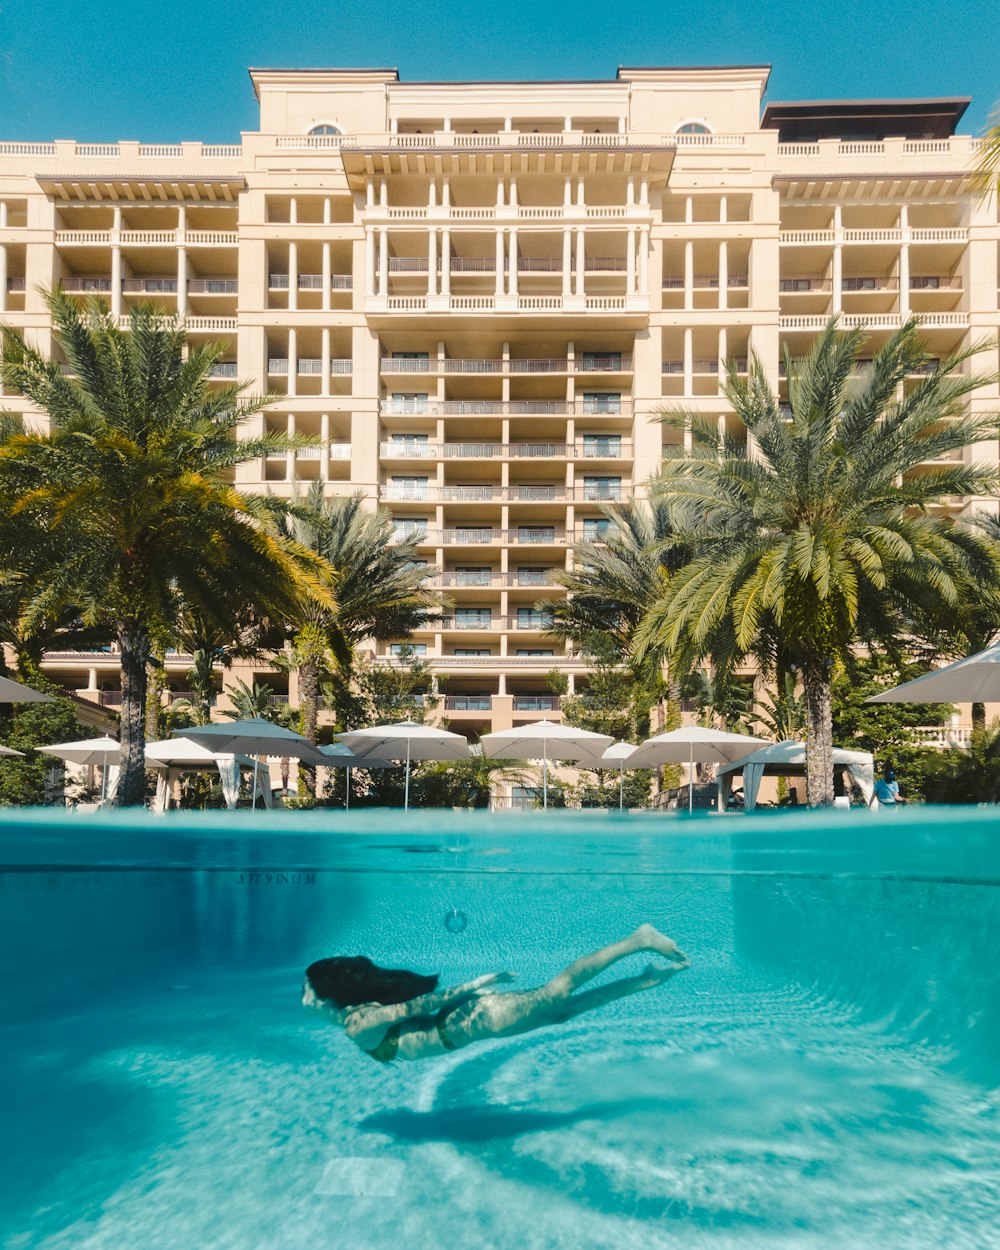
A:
x,y
397,1014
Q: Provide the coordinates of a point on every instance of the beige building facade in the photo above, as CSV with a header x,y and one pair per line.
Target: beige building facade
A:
x,y
473,297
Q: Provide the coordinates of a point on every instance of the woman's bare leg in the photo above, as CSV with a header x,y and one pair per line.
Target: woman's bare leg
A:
x,y
649,979
645,938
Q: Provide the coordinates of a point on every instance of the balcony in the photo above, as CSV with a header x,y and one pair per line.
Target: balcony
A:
x,y
869,284
224,370
487,536
147,238
507,303
707,282
278,365
149,286
310,282
588,362
875,321
620,407
705,365
213,286
536,703
468,703
804,286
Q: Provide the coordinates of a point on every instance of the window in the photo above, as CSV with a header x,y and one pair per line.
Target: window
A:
x,y
476,651
596,445
324,128
404,526
602,401
533,618
595,528
408,487
410,356
408,440
472,618
600,362
409,401
693,128
602,488
408,648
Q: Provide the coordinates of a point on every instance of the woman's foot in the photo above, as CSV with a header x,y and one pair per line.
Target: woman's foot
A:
x,y
653,940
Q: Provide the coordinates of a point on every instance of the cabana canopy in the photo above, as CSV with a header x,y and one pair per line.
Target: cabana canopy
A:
x,y
172,756
788,759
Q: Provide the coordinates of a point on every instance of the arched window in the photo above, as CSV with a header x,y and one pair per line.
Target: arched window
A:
x,y
693,128
324,128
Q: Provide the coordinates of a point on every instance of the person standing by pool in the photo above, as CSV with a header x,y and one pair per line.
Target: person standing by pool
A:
x,y
398,1014
887,791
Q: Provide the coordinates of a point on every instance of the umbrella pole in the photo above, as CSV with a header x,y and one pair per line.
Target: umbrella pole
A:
x,y
406,801
545,777
347,792
621,788
104,782
253,795
691,781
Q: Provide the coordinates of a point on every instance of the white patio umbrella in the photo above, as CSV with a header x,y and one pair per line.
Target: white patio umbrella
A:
x,y
405,740
254,736
693,744
545,740
338,756
976,679
10,751
104,753
14,692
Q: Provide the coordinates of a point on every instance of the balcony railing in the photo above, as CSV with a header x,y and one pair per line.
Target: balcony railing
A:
x,y
587,363
706,282
310,282
704,365
467,702
617,407
931,282
307,365
213,286
224,369
536,703
855,285
803,286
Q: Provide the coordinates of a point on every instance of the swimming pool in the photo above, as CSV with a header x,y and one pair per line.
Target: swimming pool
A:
x,y
825,1075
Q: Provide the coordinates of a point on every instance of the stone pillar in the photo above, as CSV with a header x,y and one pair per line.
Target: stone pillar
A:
x,y
91,678
689,274
369,193
327,211
290,455
383,194
431,262
324,438
513,264
644,261
500,262
293,276
688,362
3,277
513,192
116,263
446,258
580,265
630,264
293,362
383,263
324,364
182,282
838,260
630,192
369,263
327,276
293,211
500,193
723,274
904,261
567,262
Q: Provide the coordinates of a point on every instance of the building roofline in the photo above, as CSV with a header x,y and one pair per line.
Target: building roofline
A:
x,y
889,101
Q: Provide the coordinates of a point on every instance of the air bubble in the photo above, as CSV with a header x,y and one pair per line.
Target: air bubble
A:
x,y
456,921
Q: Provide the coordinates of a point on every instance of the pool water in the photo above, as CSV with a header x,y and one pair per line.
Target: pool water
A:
x,y
825,1075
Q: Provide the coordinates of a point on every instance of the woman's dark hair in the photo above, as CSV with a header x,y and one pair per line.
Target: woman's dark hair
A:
x,y
347,980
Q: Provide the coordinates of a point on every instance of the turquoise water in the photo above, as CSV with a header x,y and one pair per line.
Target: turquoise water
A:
x,y
825,1075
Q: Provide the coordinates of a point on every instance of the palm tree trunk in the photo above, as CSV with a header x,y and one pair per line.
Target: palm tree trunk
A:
x,y
819,742
156,680
309,708
978,720
133,640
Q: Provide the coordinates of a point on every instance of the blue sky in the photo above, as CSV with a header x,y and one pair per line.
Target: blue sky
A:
x,y
99,70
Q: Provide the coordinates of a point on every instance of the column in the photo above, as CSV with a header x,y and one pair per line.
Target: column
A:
x,y
568,192
446,259
644,191
567,273
580,200
293,362
431,262
500,192
369,193
91,678
116,263
324,438
722,353
182,262
688,367
904,261
723,274
369,262
327,276
630,264
383,263
630,192
580,265
432,194
383,194
324,363
644,261
445,194
500,261
290,455
838,260
513,192
293,211
328,210
293,276
513,264
723,209
689,274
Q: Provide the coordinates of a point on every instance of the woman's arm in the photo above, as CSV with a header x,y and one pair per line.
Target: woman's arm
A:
x,y
376,1018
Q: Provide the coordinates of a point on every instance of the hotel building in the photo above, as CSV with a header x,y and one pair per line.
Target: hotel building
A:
x,y
473,297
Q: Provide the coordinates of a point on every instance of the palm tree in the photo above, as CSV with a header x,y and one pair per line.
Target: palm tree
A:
x,y
818,534
134,481
378,582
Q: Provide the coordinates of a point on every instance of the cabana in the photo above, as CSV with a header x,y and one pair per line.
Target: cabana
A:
x,y
174,756
788,759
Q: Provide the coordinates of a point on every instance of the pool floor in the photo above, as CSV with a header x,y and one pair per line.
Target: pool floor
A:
x,y
215,1112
